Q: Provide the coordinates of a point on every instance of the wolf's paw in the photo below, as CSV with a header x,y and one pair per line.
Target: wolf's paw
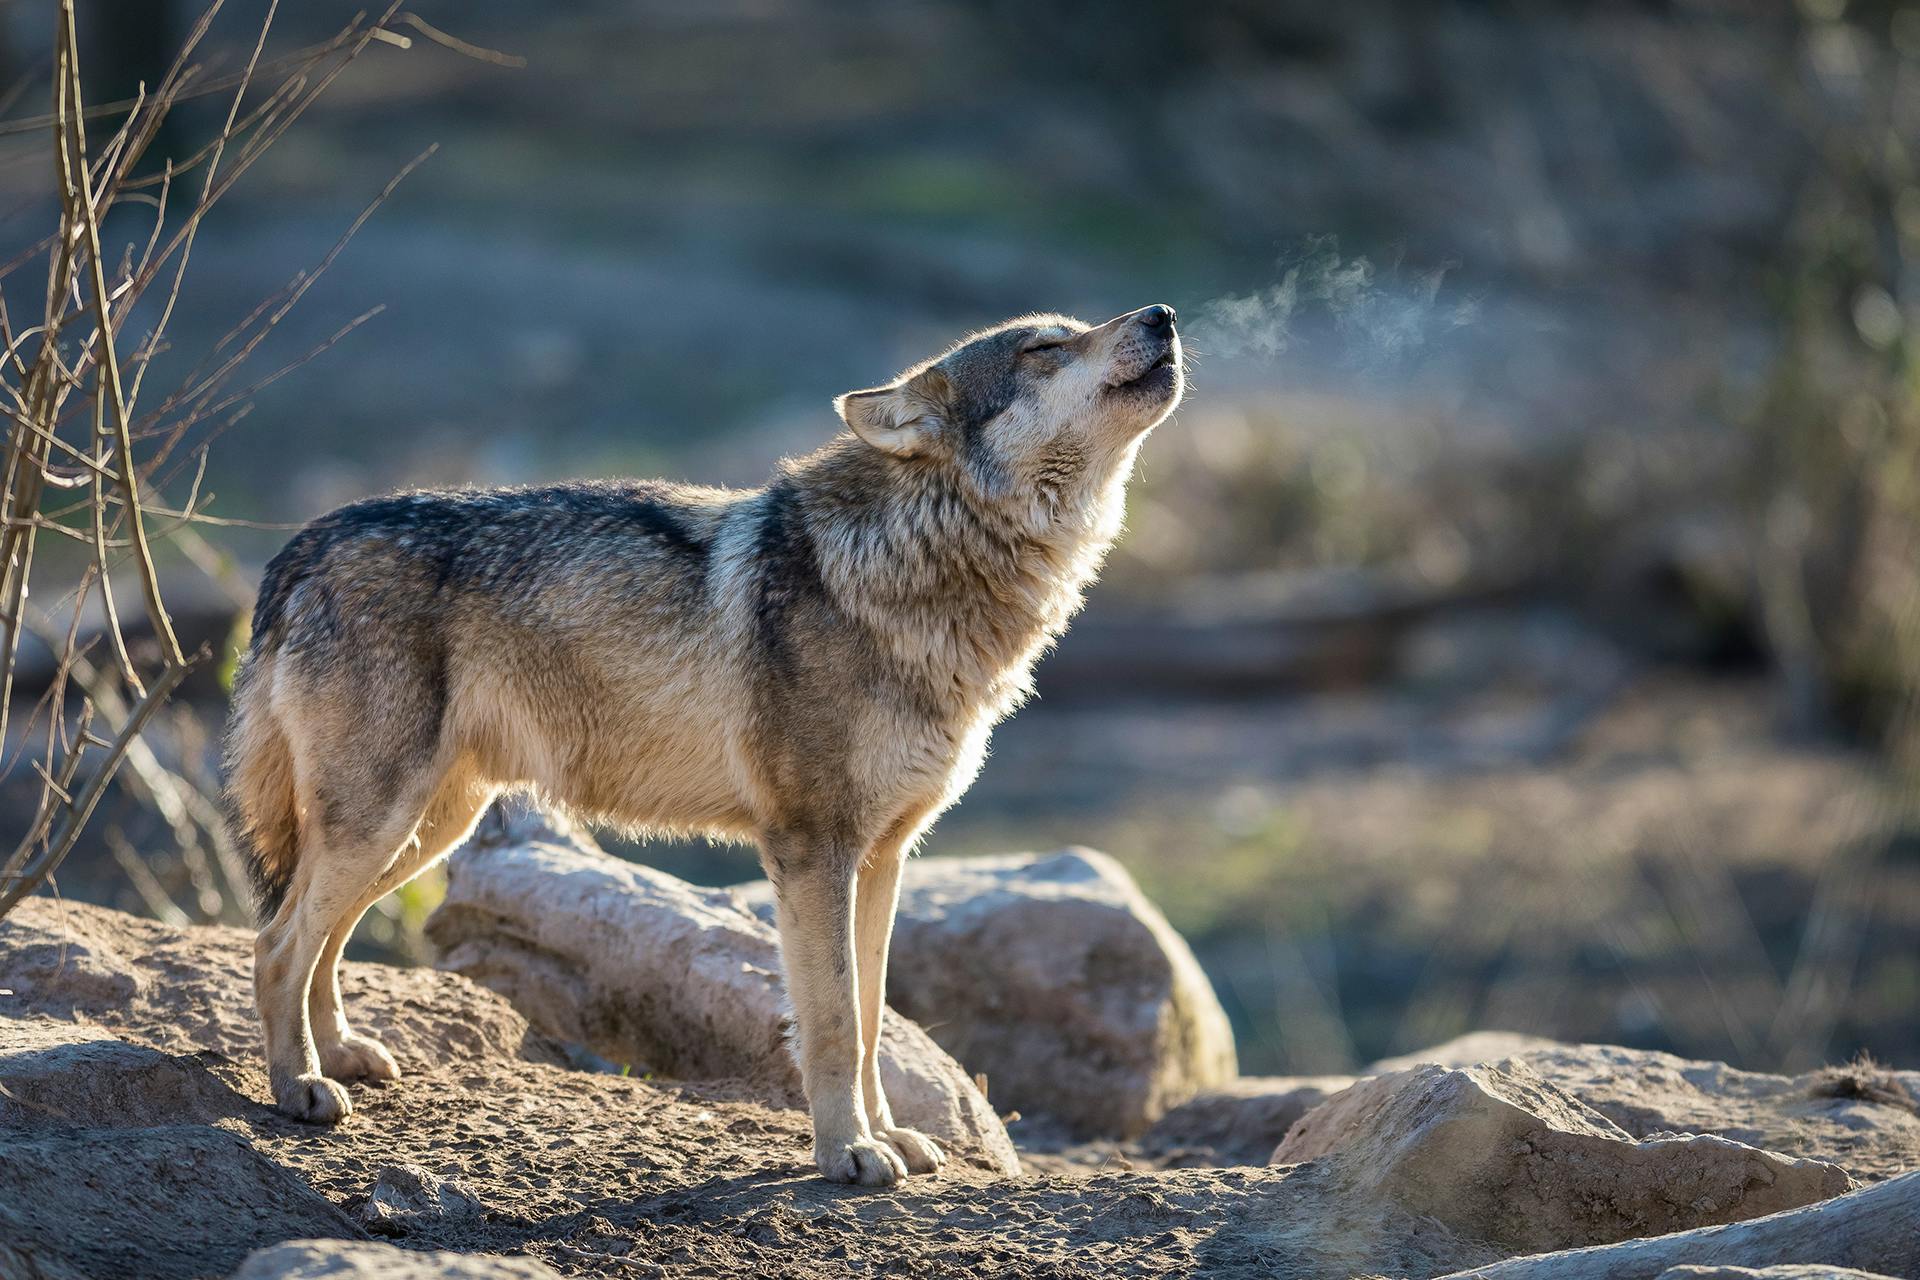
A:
x,y
315,1099
358,1057
920,1153
862,1161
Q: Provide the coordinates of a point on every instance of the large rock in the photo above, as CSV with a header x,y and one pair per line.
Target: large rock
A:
x,y
406,1198
161,1202
1054,977
1498,1153
363,1260
1864,1118
1876,1230
656,974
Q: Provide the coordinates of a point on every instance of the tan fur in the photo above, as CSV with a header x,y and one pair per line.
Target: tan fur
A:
x,y
814,667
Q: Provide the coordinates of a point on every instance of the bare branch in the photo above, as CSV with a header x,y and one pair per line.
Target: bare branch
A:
x,y
81,464
78,187
36,867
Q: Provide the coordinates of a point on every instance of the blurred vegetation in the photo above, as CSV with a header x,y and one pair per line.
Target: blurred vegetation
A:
x,y
1659,485
1836,472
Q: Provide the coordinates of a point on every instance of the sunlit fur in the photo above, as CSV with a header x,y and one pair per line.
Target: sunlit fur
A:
x,y
813,666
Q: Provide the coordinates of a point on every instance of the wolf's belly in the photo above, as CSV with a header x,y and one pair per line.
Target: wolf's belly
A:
x,y
666,779
639,754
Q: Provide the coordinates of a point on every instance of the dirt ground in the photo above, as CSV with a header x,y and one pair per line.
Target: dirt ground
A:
x,y
136,1139
596,1174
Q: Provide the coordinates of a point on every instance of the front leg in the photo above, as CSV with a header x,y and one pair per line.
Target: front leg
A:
x,y
875,904
813,882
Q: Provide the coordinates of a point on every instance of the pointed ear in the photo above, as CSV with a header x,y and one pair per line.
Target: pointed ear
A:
x,y
903,419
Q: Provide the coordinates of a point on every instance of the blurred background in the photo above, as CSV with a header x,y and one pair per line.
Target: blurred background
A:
x,y
1517,627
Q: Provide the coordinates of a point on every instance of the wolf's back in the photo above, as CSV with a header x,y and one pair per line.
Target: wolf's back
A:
x,y
262,809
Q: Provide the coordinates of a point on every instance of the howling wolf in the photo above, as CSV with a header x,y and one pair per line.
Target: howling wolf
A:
x,y
813,666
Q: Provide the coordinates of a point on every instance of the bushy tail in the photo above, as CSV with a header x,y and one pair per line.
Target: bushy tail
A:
x,y
260,798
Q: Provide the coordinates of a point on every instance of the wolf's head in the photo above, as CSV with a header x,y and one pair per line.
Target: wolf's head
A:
x,y
1041,410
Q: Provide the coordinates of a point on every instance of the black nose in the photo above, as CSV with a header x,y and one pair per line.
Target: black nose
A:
x,y
1156,317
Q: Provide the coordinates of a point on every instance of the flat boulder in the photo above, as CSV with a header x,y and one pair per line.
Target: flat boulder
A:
x,y
1791,1271
1860,1117
1053,976
1465,1051
365,1260
655,974
1874,1231
1499,1154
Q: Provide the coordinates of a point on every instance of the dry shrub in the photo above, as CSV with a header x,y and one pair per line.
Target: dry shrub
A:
x,y
1835,493
108,470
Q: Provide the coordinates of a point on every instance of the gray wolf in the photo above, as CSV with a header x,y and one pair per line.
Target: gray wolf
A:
x,y
813,666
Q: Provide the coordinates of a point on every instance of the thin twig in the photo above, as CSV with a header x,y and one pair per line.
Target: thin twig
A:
x,y
159,903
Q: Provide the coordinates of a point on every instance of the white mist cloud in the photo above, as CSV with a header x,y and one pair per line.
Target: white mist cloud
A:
x,y
1382,318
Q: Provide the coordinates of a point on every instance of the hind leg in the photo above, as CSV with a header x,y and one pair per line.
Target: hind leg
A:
x,y
356,820
330,879
346,1054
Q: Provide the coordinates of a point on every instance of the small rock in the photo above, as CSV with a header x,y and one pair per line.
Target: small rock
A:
x,y
407,1197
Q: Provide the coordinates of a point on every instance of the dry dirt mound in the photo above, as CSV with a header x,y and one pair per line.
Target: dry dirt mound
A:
x,y
183,1200
193,989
